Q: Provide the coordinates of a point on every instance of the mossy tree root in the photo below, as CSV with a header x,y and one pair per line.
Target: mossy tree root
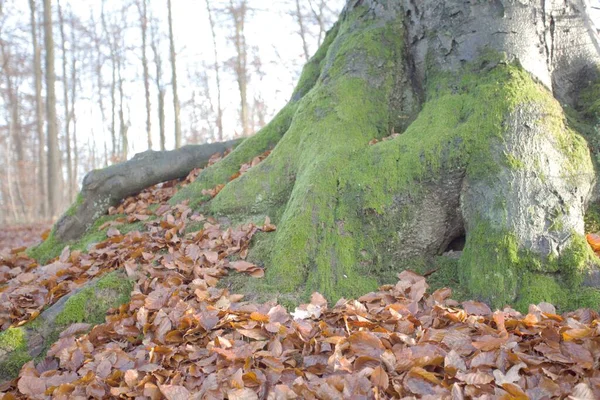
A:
x,y
483,151
106,187
88,304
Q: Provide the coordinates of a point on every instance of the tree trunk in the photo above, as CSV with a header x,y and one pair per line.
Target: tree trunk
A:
x,y
217,73
113,84
54,173
74,85
238,15
173,57
142,8
158,82
471,96
39,113
67,104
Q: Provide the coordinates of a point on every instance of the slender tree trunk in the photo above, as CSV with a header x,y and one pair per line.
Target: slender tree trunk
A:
x,y
158,82
173,56
9,178
302,30
113,84
123,126
67,104
15,132
54,173
142,8
238,15
74,86
217,73
99,59
42,183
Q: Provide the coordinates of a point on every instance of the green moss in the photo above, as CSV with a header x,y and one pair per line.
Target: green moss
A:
x,y
342,112
589,100
47,250
490,256
52,247
536,288
13,341
91,303
513,162
78,202
493,255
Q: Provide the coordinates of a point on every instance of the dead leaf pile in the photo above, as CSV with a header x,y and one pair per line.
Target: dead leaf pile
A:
x,y
26,287
183,337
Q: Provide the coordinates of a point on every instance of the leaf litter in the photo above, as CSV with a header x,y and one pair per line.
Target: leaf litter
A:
x,y
183,337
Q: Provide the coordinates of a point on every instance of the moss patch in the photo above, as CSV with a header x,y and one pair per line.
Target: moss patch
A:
x,y
88,305
91,303
493,255
52,247
536,288
13,341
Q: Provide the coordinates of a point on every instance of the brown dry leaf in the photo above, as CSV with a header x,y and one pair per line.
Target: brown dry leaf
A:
x,y
380,378
476,308
242,394
32,386
475,378
366,344
174,392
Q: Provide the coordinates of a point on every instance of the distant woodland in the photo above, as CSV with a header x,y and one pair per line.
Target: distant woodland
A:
x,y
85,84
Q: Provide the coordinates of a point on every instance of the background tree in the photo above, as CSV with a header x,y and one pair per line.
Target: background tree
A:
x,y
42,183
160,89
217,69
173,58
237,12
142,9
97,67
53,168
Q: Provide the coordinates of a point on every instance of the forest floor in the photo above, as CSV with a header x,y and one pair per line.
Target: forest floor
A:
x,y
18,236
183,335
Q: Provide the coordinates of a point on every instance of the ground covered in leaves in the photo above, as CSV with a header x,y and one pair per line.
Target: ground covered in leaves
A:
x,y
185,336
18,237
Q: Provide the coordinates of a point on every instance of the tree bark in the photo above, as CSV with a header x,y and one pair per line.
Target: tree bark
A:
x,y
54,173
173,56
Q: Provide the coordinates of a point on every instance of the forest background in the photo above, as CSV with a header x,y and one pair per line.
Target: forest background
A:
x,y
135,75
